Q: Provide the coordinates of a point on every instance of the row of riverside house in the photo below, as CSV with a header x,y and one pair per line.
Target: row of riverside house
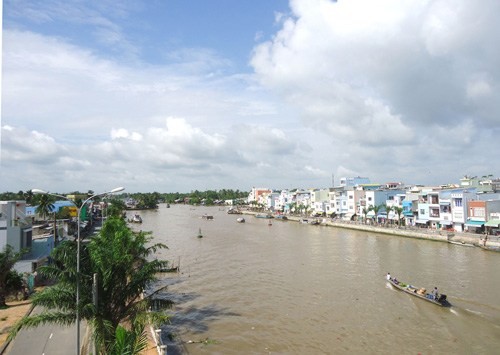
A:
x,y
473,205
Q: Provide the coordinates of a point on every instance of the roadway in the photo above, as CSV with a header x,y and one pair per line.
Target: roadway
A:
x,y
47,339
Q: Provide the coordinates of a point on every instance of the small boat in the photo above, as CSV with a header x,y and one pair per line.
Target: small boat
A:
x,y
315,222
169,269
240,220
462,243
234,211
420,293
136,219
199,233
207,217
264,215
304,221
282,217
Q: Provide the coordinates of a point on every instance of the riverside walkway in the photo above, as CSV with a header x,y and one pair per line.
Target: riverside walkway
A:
x,y
460,238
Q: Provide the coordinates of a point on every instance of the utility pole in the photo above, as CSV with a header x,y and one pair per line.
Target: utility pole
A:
x,y
95,301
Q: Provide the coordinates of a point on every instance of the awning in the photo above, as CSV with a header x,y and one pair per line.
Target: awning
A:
x,y
492,223
422,221
446,223
476,224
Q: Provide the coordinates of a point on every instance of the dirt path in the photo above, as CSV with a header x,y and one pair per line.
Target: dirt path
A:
x,y
9,316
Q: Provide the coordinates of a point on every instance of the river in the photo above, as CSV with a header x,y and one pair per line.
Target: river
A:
x,y
291,288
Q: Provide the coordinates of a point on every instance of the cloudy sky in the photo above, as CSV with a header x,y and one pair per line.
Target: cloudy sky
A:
x,y
178,95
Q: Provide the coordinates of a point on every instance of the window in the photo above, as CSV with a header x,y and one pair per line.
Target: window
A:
x,y
458,202
369,198
477,212
422,211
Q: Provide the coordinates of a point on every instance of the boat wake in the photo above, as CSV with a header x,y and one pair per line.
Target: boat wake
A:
x,y
475,310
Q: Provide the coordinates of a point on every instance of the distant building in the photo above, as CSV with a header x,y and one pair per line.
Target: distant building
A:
x,y
353,181
15,227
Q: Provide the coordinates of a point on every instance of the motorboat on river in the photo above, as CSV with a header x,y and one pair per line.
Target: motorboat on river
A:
x,y
136,218
420,293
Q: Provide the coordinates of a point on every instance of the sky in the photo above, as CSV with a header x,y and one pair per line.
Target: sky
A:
x,y
183,95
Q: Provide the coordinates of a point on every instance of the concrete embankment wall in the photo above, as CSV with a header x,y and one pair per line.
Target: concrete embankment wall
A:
x,y
429,234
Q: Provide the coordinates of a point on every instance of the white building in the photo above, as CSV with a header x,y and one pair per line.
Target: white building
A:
x,y
15,227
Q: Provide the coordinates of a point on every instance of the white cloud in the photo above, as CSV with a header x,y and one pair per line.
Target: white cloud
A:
x,y
123,133
380,78
478,89
391,89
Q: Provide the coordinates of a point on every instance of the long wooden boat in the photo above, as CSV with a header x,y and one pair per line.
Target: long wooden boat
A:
x,y
264,215
414,291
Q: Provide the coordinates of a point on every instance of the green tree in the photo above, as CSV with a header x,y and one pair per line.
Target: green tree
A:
x,y
365,212
301,208
45,207
28,195
376,210
387,210
128,342
125,267
115,208
399,212
7,260
147,201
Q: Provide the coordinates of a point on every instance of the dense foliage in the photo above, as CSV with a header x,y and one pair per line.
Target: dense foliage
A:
x,y
124,263
147,200
208,197
9,279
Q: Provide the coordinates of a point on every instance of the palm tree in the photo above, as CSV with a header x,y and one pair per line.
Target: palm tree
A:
x,y
365,212
45,207
399,211
123,262
28,195
375,209
387,209
128,342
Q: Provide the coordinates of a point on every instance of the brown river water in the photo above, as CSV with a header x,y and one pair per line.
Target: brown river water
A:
x,y
291,288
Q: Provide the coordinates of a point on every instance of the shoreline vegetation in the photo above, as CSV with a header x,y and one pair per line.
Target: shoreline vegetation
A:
x,y
466,239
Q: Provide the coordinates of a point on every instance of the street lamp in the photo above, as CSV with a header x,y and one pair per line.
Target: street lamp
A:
x,y
79,209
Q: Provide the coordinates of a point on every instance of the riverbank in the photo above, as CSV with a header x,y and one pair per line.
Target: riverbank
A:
x,y
463,239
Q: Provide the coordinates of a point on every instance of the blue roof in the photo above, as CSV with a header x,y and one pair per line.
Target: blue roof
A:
x,y
31,210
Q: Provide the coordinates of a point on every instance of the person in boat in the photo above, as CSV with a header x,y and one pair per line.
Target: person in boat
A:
x,y
435,293
388,277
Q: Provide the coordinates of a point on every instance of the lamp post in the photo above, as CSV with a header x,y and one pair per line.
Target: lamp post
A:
x,y
79,209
